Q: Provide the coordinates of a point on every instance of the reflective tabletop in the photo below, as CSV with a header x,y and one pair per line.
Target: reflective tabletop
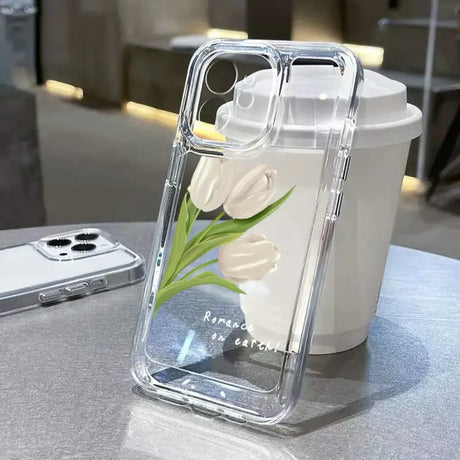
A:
x,y
66,391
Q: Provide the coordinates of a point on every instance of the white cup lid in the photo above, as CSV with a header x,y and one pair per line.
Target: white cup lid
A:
x,y
384,117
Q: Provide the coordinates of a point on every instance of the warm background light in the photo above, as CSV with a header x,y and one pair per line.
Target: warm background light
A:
x,y
225,33
371,56
413,186
145,111
201,129
207,131
64,89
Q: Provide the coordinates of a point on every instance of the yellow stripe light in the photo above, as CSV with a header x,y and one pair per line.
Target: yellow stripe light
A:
x,y
64,89
370,56
201,129
227,33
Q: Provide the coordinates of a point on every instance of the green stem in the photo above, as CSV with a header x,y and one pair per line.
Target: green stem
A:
x,y
192,221
188,213
208,228
199,268
202,236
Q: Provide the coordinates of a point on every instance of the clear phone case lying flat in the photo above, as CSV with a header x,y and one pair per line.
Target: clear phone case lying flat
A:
x,y
64,266
241,248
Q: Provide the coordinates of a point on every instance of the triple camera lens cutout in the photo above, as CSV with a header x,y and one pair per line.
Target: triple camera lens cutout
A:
x,y
85,243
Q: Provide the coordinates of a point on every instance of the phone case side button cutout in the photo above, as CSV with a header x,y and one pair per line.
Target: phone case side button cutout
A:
x,y
50,296
97,284
346,168
77,289
338,204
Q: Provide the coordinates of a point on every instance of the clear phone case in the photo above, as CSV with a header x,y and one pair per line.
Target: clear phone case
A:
x,y
64,266
240,252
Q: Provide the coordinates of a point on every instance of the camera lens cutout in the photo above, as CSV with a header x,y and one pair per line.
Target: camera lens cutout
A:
x,y
83,247
221,76
208,110
87,236
59,242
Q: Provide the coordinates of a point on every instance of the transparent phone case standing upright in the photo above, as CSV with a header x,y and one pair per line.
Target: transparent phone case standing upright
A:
x,y
241,247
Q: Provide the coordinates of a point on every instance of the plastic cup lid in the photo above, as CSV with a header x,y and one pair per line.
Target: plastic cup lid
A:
x,y
384,117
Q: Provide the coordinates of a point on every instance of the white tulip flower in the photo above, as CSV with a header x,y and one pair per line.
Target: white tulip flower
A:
x,y
250,257
211,183
252,194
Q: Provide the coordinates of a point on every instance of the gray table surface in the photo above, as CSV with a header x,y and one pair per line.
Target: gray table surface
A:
x,y
66,391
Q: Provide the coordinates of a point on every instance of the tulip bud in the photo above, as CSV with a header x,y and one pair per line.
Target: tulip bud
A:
x,y
211,183
250,257
251,194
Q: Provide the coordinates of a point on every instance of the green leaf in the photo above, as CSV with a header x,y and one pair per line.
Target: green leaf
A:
x,y
238,226
180,240
202,248
174,288
206,230
200,267
192,212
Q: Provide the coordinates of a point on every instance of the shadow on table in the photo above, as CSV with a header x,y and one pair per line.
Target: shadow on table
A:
x,y
161,431
338,387
391,362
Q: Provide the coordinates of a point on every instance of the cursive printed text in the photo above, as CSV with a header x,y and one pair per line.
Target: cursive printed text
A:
x,y
231,324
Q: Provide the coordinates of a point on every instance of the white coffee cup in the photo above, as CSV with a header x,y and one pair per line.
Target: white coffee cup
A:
x,y
386,125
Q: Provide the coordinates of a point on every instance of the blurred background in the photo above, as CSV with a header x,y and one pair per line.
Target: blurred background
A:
x,y
90,89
